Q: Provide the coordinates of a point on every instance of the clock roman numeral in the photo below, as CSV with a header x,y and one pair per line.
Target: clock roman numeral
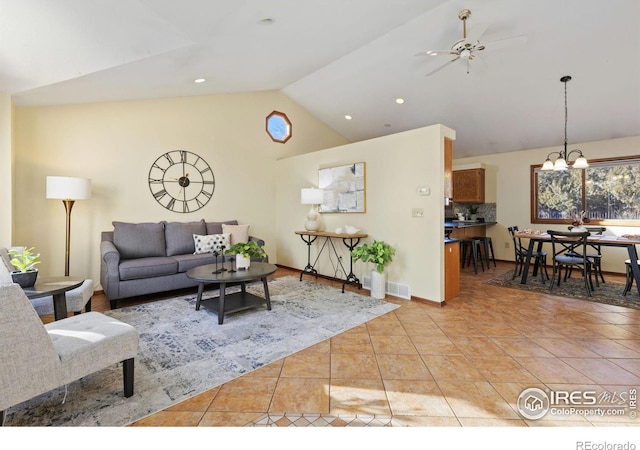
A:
x,y
158,195
154,181
183,156
168,158
171,203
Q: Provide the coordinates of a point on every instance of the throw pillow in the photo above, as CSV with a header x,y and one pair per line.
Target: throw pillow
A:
x,y
210,243
239,233
216,227
139,240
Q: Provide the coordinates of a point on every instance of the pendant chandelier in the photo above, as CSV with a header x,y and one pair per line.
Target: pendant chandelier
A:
x,y
562,158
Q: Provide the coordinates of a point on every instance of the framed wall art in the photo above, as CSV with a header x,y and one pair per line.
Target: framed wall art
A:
x,y
344,188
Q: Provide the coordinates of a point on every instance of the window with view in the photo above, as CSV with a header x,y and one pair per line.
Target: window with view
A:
x,y
608,192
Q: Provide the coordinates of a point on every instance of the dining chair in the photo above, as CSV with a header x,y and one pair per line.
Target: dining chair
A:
x,y
596,257
570,250
629,282
520,254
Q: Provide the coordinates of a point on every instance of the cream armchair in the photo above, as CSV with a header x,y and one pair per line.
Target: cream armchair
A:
x,y
37,358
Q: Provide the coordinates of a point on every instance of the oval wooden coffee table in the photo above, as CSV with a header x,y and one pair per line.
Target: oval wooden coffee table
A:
x,y
238,301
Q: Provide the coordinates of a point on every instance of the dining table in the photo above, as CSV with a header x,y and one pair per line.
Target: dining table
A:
x,y
539,238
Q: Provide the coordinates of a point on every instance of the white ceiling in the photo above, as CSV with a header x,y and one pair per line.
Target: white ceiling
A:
x,y
337,57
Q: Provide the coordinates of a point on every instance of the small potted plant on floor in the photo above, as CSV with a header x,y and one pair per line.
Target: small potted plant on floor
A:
x,y
245,252
381,254
25,261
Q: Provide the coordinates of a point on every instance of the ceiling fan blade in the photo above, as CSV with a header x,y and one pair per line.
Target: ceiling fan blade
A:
x,y
476,32
442,66
507,42
436,53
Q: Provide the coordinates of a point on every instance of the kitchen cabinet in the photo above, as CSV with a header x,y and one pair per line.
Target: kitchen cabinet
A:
x,y
468,186
469,232
451,270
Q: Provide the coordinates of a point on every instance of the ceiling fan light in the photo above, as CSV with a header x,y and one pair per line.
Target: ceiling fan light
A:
x,y
581,163
560,164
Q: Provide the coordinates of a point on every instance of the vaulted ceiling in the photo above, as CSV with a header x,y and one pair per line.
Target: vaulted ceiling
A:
x,y
337,58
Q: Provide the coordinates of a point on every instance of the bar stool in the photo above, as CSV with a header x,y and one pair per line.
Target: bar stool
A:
x,y
629,283
488,250
474,245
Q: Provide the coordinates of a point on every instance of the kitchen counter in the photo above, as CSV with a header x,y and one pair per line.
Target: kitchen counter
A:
x,y
465,224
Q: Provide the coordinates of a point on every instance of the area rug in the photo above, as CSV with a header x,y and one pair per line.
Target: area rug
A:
x,y
184,352
609,293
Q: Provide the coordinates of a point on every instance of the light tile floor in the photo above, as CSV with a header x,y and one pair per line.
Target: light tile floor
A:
x,y
463,364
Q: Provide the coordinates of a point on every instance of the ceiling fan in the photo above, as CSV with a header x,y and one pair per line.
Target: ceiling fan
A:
x,y
469,47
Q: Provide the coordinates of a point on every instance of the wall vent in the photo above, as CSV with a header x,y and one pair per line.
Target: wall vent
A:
x,y
395,289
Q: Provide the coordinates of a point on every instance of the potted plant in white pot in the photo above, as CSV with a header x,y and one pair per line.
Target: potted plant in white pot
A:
x,y
25,261
244,252
381,254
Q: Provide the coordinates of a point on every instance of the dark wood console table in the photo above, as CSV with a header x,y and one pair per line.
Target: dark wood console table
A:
x,y
350,241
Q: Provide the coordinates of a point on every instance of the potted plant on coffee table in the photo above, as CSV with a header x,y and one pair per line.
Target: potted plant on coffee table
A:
x,y
245,251
381,254
25,261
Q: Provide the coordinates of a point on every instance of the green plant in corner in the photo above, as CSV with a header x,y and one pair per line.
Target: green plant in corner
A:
x,y
24,260
249,249
473,209
379,253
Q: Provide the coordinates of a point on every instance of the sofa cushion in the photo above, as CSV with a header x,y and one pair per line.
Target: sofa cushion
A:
x,y
216,227
239,233
179,236
186,262
211,242
139,240
133,269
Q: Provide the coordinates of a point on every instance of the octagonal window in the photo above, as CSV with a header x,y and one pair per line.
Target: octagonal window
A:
x,y
279,127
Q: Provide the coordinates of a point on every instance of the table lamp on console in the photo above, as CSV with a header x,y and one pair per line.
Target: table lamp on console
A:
x,y
313,197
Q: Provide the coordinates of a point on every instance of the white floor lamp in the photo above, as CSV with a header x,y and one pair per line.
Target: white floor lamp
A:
x,y
68,189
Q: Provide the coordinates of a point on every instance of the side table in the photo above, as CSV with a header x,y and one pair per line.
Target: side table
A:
x,y
57,288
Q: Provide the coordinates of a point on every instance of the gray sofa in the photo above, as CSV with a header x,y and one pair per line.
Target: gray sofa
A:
x,y
146,258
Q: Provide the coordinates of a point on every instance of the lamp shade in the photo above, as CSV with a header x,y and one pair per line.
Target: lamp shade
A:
x,y
311,196
68,188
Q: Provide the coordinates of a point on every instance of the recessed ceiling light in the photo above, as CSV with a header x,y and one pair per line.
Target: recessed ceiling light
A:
x,y
199,80
399,101
348,117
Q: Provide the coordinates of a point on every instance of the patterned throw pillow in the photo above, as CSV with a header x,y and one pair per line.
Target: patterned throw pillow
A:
x,y
210,243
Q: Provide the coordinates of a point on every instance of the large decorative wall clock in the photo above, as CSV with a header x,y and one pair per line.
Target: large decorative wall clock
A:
x,y
181,181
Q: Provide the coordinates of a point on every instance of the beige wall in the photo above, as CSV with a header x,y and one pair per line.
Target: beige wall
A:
x,y
508,178
114,144
396,166
6,165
